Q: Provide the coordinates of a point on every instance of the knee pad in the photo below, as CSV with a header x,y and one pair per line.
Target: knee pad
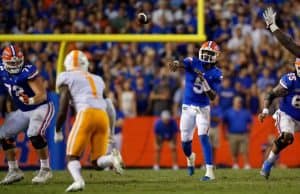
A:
x,y
8,143
38,142
284,140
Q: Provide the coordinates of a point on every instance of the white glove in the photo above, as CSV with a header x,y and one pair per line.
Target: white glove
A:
x,y
270,17
58,136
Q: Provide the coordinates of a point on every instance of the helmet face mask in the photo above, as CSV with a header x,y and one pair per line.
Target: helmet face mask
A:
x,y
207,56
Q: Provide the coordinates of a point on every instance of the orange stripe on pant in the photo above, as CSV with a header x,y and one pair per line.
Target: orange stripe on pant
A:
x,y
91,127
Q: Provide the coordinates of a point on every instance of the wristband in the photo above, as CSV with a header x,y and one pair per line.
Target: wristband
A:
x,y
273,27
265,111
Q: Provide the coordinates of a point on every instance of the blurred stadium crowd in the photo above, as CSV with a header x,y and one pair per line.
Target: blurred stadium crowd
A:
x,y
137,74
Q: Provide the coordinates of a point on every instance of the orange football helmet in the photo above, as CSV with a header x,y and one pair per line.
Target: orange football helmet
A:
x,y
209,51
12,59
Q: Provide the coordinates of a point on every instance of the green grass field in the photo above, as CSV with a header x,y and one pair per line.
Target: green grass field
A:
x,y
228,181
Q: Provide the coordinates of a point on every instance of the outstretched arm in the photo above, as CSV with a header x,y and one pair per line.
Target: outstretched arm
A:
x,y
287,42
284,39
278,91
37,86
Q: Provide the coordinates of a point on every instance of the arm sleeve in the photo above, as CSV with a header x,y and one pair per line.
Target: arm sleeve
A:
x,y
187,62
285,81
287,42
32,72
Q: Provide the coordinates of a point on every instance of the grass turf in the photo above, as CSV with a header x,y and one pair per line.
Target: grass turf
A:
x,y
165,181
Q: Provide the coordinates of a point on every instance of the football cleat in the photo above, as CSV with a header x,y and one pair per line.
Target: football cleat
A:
x,y
43,176
191,164
117,161
76,186
207,178
266,169
12,176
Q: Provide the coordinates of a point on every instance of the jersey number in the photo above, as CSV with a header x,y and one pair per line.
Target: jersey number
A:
x,y
197,86
16,89
92,85
296,101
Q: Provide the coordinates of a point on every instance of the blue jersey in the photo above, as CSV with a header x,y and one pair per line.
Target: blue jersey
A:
x,y
17,84
237,121
290,104
193,93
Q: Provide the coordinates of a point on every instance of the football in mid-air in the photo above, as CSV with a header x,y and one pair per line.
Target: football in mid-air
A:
x,y
142,18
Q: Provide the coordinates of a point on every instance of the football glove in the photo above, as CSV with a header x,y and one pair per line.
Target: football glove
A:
x,y
270,17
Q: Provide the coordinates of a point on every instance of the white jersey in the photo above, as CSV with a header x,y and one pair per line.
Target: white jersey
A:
x,y
86,89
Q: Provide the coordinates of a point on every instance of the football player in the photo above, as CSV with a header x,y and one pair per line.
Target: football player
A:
x,y
202,79
34,113
91,126
285,40
287,116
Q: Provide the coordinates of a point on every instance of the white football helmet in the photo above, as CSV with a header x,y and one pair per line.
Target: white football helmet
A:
x,y
76,60
297,66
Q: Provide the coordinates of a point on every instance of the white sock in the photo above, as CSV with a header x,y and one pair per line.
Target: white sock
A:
x,y
45,163
272,157
74,168
209,171
13,165
105,161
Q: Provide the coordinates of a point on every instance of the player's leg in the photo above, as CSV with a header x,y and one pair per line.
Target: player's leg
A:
x,y
157,151
187,127
99,143
203,123
40,119
77,141
13,124
173,143
214,139
286,126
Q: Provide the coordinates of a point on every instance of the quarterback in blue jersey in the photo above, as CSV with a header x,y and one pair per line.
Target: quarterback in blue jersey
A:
x,y
34,113
202,79
287,116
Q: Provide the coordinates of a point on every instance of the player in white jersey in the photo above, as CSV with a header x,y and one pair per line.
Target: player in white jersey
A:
x,y
85,91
